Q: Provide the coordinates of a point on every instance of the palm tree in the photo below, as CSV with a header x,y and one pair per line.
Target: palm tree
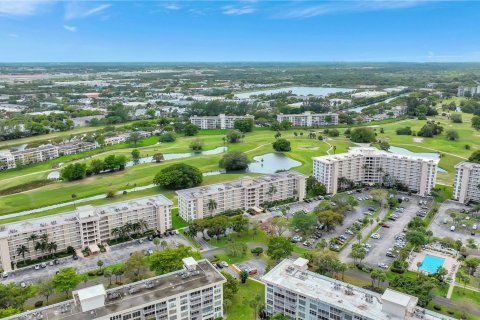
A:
x,y
116,232
74,196
143,224
163,244
22,250
33,237
211,205
271,191
52,247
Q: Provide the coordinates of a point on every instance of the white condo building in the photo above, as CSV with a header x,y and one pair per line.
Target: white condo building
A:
x,y
87,226
309,119
244,193
473,90
370,166
221,121
194,292
291,289
466,187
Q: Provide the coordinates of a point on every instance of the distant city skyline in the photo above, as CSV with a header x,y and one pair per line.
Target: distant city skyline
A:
x,y
236,31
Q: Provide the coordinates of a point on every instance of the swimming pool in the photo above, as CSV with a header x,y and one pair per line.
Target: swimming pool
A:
x,y
430,263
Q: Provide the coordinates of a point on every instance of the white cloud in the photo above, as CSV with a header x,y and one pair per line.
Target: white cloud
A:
x,y
237,11
347,7
21,7
75,10
70,28
171,6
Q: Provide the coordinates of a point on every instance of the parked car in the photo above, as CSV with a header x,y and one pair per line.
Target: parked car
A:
x,y
43,265
23,284
36,267
5,275
252,271
452,228
383,265
375,236
224,264
385,225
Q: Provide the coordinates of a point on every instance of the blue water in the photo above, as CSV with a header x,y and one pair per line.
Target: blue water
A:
x,y
299,91
429,155
430,264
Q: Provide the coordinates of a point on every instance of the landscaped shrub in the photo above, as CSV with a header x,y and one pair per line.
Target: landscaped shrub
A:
x,y
38,304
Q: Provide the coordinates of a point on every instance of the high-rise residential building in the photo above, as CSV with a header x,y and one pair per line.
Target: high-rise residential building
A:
x,y
244,193
221,121
368,165
87,226
291,289
192,293
466,187
463,89
309,119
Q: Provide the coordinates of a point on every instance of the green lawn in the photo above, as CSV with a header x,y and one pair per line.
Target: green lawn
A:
x,y
460,294
177,221
240,309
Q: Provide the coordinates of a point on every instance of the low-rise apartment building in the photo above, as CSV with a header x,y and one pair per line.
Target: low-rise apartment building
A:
x,y
472,90
87,226
76,147
466,187
291,289
368,165
33,155
244,193
309,119
194,292
7,161
221,121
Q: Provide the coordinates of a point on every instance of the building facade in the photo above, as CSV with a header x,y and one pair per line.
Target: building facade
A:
x,y
291,289
193,293
7,161
308,119
372,166
244,193
76,147
221,121
473,90
87,226
466,187
34,155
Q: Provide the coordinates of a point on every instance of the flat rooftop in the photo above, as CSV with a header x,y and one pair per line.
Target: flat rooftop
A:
x,y
193,193
337,293
468,165
371,152
68,217
132,295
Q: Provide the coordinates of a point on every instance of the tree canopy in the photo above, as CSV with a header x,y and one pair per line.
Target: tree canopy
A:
x,y
234,160
178,176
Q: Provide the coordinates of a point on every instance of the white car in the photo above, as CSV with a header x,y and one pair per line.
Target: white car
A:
x,y
383,265
37,267
375,236
5,275
224,264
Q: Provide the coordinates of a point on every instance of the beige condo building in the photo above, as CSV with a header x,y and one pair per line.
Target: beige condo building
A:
x,y
466,187
87,226
195,292
221,121
244,193
370,166
309,119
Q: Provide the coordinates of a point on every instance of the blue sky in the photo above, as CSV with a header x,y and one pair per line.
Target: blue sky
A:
x,y
131,31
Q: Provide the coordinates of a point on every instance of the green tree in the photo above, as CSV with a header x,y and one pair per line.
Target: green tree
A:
x,y
191,130
230,288
156,242
244,125
456,118
279,247
314,187
475,156
255,304
304,222
281,145
384,145
476,122
452,135
136,268
234,161
135,154
196,145
167,137
170,259
66,280
46,288
74,171
158,157
100,264
178,176
108,274
329,219
243,276
234,136
239,223
134,137
362,135
96,166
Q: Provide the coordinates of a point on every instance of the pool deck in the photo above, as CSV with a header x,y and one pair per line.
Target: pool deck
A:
x,y
450,263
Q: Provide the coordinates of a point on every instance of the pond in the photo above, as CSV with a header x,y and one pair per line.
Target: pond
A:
x,y
299,91
172,156
428,155
267,163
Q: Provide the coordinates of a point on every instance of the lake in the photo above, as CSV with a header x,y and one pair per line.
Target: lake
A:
x,y
428,155
172,156
268,163
299,91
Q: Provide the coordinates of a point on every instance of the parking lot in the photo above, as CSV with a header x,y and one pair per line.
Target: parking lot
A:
x,y
379,247
117,253
253,264
442,223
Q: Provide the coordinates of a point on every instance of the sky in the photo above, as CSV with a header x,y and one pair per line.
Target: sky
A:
x,y
230,31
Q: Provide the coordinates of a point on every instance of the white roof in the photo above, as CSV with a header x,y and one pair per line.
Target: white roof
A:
x,y
91,292
398,298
